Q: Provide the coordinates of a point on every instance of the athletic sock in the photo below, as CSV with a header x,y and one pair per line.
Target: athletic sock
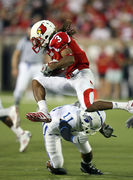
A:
x,y
18,131
120,105
42,105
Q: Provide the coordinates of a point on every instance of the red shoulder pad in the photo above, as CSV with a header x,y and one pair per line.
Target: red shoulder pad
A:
x,y
59,40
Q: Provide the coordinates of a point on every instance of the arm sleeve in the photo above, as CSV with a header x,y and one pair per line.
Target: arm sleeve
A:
x,y
65,130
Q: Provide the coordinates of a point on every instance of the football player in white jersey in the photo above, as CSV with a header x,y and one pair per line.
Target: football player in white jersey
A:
x,y
9,116
73,124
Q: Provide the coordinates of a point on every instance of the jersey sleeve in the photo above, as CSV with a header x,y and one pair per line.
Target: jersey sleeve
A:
x,y
60,40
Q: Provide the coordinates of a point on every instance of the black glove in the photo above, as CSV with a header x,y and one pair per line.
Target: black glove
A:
x,y
107,131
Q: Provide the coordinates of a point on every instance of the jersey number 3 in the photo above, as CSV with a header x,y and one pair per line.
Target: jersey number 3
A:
x,y
58,38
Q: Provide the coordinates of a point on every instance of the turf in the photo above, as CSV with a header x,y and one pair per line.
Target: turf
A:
x,y
113,156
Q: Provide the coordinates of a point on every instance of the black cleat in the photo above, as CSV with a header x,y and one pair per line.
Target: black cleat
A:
x,y
56,171
90,169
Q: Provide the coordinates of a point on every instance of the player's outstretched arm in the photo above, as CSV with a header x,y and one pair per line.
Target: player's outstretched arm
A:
x,y
129,122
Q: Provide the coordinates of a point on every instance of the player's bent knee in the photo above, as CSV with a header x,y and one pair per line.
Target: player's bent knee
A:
x,y
88,97
35,82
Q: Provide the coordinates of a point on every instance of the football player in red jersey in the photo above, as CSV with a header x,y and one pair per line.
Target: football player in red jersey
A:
x,y
66,55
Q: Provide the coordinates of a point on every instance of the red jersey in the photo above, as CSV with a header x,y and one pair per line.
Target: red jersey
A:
x,y
61,41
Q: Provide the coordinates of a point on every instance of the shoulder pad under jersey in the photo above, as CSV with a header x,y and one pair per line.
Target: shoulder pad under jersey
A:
x,y
59,40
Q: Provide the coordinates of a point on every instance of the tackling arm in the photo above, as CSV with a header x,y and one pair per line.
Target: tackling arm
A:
x,y
65,131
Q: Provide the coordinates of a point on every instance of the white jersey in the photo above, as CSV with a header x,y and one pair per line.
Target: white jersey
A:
x,y
68,113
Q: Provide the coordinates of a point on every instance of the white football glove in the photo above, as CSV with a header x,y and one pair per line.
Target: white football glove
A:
x,y
129,122
80,139
46,70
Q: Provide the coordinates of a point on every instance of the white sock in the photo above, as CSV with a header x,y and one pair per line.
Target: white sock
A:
x,y
120,105
42,105
4,112
18,131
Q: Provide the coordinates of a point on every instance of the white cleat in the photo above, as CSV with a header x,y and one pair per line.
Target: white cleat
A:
x,y
24,140
13,114
39,116
130,106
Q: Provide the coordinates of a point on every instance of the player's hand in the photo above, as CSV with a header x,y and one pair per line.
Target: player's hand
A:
x,y
129,122
107,131
46,70
80,139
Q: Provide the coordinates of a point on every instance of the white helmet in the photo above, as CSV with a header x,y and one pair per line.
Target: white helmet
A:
x,y
92,121
40,34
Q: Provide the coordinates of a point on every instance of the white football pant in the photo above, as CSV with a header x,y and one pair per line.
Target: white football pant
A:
x,y
80,85
54,149
26,73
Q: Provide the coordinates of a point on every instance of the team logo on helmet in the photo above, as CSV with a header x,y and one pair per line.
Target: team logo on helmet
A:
x,y
41,30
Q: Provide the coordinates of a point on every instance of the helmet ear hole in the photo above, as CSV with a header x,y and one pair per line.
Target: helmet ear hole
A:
x,y
46,36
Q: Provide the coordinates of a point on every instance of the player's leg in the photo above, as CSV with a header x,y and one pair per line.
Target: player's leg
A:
x,y
40,84
54,151
39,94
10,118
84,86
87,156
23,136
105,105
11,112
22,82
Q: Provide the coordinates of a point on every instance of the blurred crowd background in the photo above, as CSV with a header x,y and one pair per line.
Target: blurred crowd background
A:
x,y
104,31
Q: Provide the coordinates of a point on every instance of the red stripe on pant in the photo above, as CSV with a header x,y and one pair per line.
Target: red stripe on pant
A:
x,y
87,98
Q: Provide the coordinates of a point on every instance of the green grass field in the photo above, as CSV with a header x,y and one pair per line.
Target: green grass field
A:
x,y
113,156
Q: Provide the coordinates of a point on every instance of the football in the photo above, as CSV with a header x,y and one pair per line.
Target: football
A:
x,y
57,72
